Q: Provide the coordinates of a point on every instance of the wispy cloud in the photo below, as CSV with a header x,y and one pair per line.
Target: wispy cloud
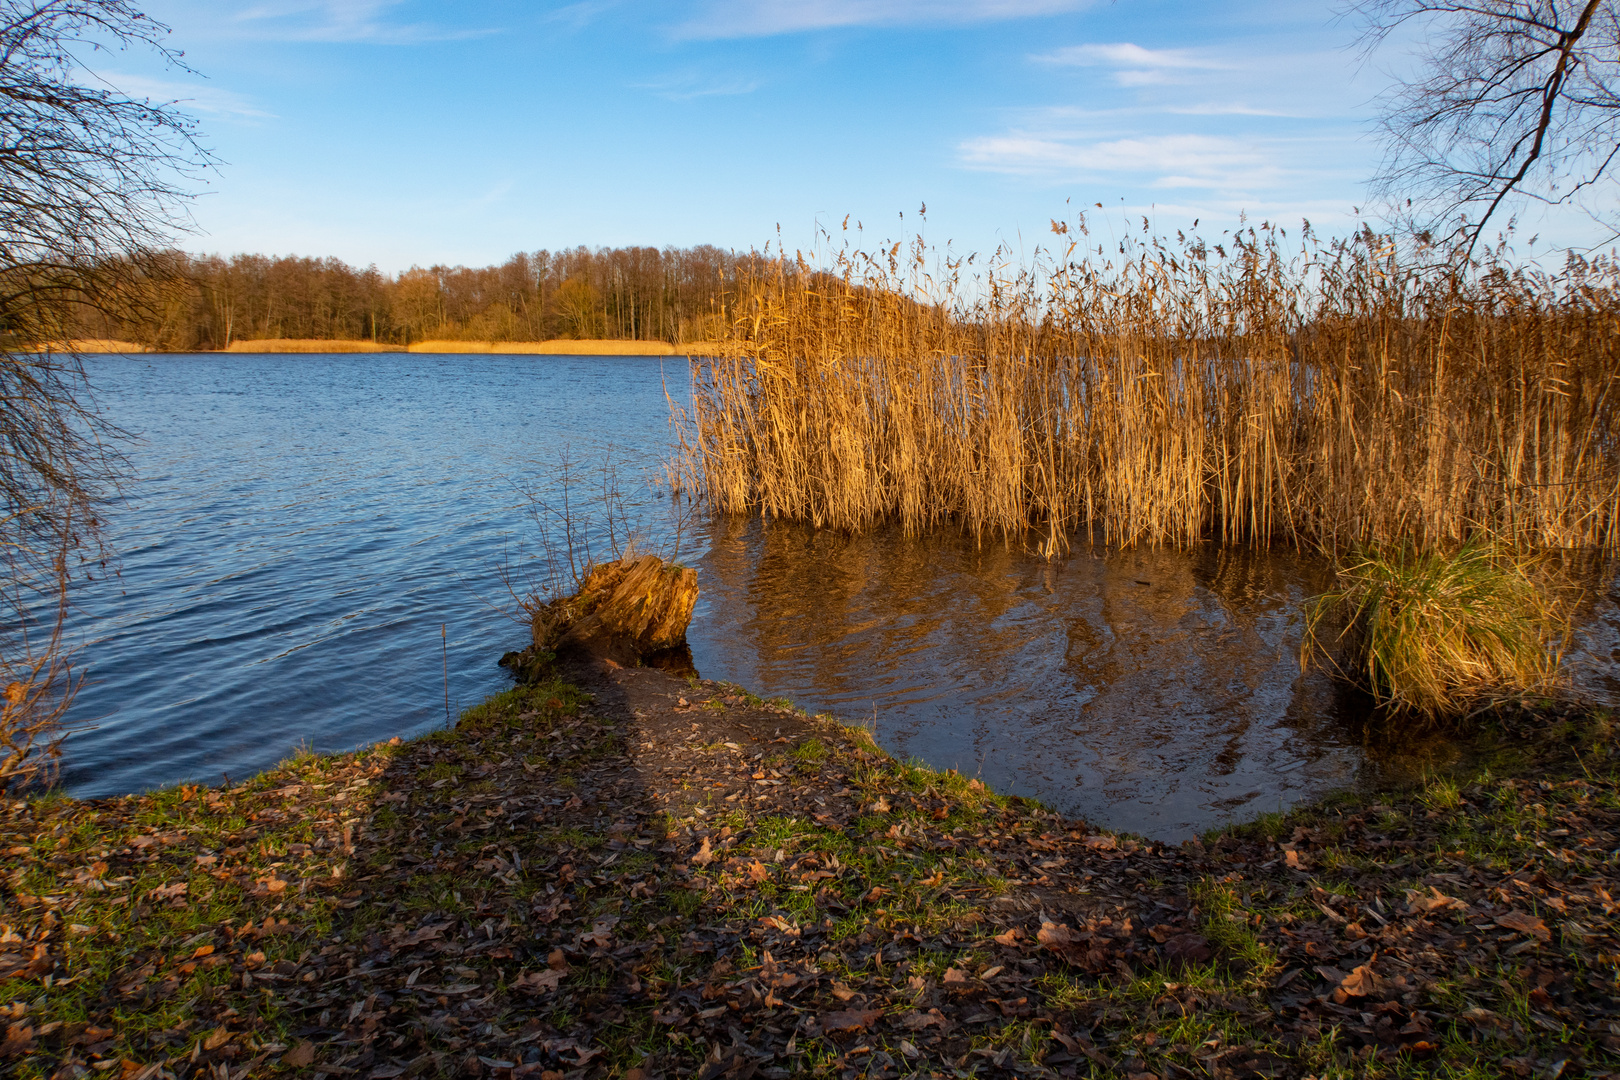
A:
x,y
579,15
759,18
690,87
1213,162
1135,66
1216,108
1213,81
1125,54
211,101
341,21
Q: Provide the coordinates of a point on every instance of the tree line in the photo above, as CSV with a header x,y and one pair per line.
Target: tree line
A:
x,y
177,301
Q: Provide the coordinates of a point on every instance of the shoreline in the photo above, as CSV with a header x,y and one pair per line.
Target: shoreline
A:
x,y
554,347
617,870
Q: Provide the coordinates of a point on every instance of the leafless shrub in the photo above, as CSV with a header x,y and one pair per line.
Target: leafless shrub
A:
x,y
582,517
89,179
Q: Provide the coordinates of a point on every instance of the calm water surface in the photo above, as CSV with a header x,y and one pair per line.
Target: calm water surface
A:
x,y
300,528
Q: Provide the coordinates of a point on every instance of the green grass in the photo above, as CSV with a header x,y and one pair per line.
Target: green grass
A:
x,y
1432,633
933,852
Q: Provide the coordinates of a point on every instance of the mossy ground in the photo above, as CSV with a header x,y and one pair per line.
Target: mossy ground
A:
x,y
668,878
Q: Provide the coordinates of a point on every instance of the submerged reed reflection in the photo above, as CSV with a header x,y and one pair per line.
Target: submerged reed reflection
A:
x,y
1153,691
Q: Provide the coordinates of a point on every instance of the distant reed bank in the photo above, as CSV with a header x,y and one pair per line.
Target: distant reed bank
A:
x,y
557,347
1251,391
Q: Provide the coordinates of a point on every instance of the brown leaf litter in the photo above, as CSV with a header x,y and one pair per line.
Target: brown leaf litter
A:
x,y
672,879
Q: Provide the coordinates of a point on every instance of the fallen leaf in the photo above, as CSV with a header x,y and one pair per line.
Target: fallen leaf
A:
x,y
1053,935
601,935
1361,982
1185,950
1009,938
917,1020
19,1038
15,967
539,982
705,855
299,1056
849,1019
1419,904
955,975
1524,924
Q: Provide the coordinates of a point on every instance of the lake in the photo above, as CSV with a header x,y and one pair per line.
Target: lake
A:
x,y
315,553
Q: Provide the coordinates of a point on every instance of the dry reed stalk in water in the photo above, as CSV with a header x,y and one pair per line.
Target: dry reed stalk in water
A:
x,y
1332,396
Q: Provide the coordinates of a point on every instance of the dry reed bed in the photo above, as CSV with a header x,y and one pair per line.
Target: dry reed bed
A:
x,y
1239,392
556,347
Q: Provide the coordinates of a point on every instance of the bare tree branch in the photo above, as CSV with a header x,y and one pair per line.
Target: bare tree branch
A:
x,y
90,179
1513,99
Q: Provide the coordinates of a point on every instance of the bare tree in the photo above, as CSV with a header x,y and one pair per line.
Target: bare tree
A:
x,y
1512,100
90,179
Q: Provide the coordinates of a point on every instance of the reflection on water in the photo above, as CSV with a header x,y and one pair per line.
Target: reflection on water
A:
x,y
1153,691
300,529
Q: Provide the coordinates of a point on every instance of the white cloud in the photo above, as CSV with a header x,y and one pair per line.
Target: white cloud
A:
x,y
208,100
579,15
758,18
1214,108
1212,162
343,21
690,87
1126,55
1136,67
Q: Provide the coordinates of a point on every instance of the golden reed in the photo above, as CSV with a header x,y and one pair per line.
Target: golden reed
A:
x,y
1236,392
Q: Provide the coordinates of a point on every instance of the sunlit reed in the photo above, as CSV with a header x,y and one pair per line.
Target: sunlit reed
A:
x,y
1165,394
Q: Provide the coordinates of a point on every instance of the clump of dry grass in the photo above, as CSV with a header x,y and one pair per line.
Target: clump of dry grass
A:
x,y
91,346
554,347
308,345
1434,633
1170,394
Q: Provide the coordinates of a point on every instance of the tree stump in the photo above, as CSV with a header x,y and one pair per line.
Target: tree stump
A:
x,y
623,611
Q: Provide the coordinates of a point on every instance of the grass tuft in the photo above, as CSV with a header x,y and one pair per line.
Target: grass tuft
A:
x,y
1434,633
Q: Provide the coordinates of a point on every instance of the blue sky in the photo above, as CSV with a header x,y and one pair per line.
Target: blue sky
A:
x,y
400,133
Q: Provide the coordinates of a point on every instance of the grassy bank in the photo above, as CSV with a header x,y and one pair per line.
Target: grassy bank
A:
x,y
665,878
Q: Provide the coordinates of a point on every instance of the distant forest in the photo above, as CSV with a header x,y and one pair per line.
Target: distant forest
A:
x,y
176,301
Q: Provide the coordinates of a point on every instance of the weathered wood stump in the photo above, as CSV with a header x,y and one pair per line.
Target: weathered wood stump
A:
x,y
623,611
